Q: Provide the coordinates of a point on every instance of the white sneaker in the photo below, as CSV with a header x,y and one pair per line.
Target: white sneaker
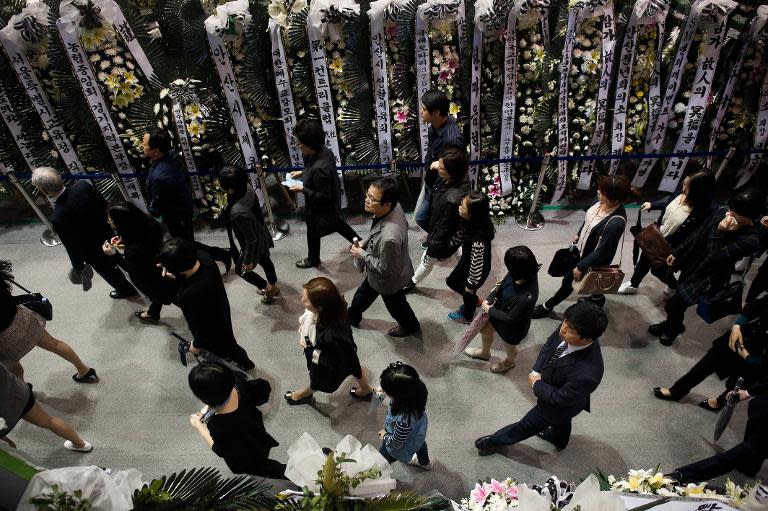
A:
x,y
415,462
86,448
669,291
627,289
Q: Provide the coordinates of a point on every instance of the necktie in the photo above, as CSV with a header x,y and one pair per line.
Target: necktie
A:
x,y
559,351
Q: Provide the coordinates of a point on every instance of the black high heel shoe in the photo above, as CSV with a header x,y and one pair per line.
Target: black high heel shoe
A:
x,y
660,395
720,404
303,401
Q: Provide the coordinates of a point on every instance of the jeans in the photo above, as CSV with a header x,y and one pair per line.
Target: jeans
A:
x,y
427,264
396,304
323,225
422,455
254,278
457,281
531,423
421,216
643,267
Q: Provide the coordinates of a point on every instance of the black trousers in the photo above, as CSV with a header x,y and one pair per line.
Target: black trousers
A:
x,y
270,469
759,283
718,359
643,267
396,304
675,308
323,225
531,423
104,265
457,281
254,278
566,288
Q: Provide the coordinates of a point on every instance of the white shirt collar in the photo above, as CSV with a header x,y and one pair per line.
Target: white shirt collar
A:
x,y
570,348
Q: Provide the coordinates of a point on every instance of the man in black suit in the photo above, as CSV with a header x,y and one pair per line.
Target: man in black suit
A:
x,y
569,368
170,198
80,220
746,457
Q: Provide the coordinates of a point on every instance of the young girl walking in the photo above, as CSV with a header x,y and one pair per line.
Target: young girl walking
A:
x,y
405,427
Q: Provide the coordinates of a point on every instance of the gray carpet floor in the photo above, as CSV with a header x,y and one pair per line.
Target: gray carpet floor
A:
x,y
137,416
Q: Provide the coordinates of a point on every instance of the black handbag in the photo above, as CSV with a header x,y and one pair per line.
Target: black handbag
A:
x,y
33,301
723,303
564,261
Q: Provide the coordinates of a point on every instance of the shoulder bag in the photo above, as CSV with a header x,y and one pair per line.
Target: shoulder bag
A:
x,y
33,301
602,280
564,261
725,302
654,245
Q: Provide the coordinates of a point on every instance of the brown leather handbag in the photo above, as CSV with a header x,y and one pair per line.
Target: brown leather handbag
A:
x,y
602,280
654,245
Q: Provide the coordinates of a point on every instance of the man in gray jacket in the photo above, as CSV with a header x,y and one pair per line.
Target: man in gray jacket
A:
x,y
384,255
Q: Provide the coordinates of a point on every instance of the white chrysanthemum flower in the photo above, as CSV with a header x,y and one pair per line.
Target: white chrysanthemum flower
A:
x,y
680,108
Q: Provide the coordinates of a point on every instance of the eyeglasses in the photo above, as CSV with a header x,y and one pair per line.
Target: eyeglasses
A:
x,y
373,200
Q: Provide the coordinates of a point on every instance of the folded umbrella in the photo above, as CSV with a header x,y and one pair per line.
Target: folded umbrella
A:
x,y
725,416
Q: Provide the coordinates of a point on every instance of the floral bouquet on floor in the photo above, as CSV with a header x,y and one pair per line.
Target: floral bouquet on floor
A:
x,y
493,496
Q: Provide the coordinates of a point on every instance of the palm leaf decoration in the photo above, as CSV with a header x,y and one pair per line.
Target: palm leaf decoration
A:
x,y
203,489
184,37
493,108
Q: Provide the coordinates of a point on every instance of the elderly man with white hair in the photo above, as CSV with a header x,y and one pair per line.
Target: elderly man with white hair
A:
x,y
80,220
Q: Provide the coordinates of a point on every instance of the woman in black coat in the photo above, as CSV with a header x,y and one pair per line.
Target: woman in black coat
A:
x,y
682,215
707,258
244,218
475,263
742,351
601,232
140,237
326,338
509,307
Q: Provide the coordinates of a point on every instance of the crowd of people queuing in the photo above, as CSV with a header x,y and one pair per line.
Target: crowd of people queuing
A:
x,y
707,242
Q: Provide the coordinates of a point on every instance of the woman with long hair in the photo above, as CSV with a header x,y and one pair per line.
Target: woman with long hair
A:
x,y
683,214
22,329
475,264
326,338
140,237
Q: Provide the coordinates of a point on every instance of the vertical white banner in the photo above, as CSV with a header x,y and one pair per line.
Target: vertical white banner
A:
x,y
761,136
236,108
562,107
714,39
284,92
608,38
13,122
91,89
186,148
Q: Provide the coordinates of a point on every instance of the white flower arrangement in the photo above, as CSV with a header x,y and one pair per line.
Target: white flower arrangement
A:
x,y
281,10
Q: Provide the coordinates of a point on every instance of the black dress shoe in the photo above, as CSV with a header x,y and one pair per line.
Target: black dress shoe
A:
x,y
399,331
118,295
720,404
549,437
660,395
302,401
246,366
354,324
540,312
657,329
486,443
307,263
667,338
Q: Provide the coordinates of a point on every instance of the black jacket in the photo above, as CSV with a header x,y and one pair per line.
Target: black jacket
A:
x,y
337,360
600,246
445,235
169,193
689,225
566,383
80,219
512,318
140,261
246,221
322,189
707,256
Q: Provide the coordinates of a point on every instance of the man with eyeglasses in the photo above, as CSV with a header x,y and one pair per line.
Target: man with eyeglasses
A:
x,y
384,255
